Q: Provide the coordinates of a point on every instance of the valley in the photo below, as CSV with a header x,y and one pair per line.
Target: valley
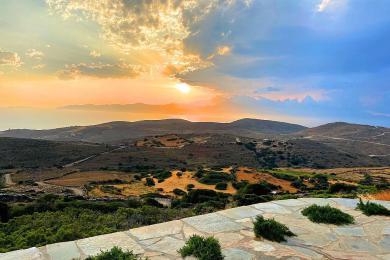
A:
x,y
182,169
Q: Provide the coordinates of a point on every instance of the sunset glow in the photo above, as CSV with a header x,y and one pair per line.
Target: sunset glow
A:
x,y
183,88
270,59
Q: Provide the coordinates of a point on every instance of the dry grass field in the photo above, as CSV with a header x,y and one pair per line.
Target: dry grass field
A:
x,y
253,176
81,178
181,182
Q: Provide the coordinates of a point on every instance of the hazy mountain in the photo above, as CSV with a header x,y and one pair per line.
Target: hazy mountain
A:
x,y
116,131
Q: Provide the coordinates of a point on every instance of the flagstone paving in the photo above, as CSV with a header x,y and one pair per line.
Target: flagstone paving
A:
x,y
368,238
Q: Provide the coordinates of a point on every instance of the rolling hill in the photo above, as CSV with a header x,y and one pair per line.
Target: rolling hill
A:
x,y
117,131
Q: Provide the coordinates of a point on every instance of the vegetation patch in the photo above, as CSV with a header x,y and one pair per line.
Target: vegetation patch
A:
x,y
371,208
221,186
53,220
179,192
271,229
202,248
327,214
215,177
341,187
115,253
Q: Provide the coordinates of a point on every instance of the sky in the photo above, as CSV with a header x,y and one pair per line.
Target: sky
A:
x,y
81,62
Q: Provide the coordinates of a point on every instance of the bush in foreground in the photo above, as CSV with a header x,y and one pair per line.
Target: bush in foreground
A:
x,y
271,229
370,208
327,214
115,253
202,248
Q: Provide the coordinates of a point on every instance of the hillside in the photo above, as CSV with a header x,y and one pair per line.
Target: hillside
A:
x,y
350,131
31,153
117,131
352,138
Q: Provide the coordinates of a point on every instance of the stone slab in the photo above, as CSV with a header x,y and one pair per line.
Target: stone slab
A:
x,y
94,245
25,254
237,254
348,203
290,203
167,245
269,207
212,223
350,231
63,251
240,212
158,230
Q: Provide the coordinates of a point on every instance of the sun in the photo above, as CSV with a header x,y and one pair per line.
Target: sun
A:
x,y
183,88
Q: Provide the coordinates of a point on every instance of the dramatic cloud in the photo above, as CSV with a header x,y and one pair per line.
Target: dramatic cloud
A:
x,y
11,59
157,25
100,70
35,54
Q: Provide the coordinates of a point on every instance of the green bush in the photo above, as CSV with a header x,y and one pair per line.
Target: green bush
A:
x,y
202,248
149,182
341,187
271,229
115,253
284,176
262,188
213,178
327,214
179,192
162,175
221,186
48,227
370,208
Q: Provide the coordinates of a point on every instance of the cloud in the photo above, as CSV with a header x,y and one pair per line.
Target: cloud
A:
x,y
159,25
100,70
323,5
11,59
224,50
95,54
35,54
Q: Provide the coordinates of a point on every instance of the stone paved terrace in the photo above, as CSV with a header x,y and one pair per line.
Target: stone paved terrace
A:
x,y
369,238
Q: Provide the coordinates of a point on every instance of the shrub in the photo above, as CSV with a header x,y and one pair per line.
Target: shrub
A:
x,y
221,186
215,177
271,229
371,208
327,214
262,188
162,175
342,187
202,248
179,192
367,180
115,253
248,199
149,182
320,181
285,176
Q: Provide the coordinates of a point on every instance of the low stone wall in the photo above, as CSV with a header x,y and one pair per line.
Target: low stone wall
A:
x,y
368,238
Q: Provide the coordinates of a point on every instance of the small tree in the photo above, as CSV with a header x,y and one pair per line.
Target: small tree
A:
x,y
149,182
